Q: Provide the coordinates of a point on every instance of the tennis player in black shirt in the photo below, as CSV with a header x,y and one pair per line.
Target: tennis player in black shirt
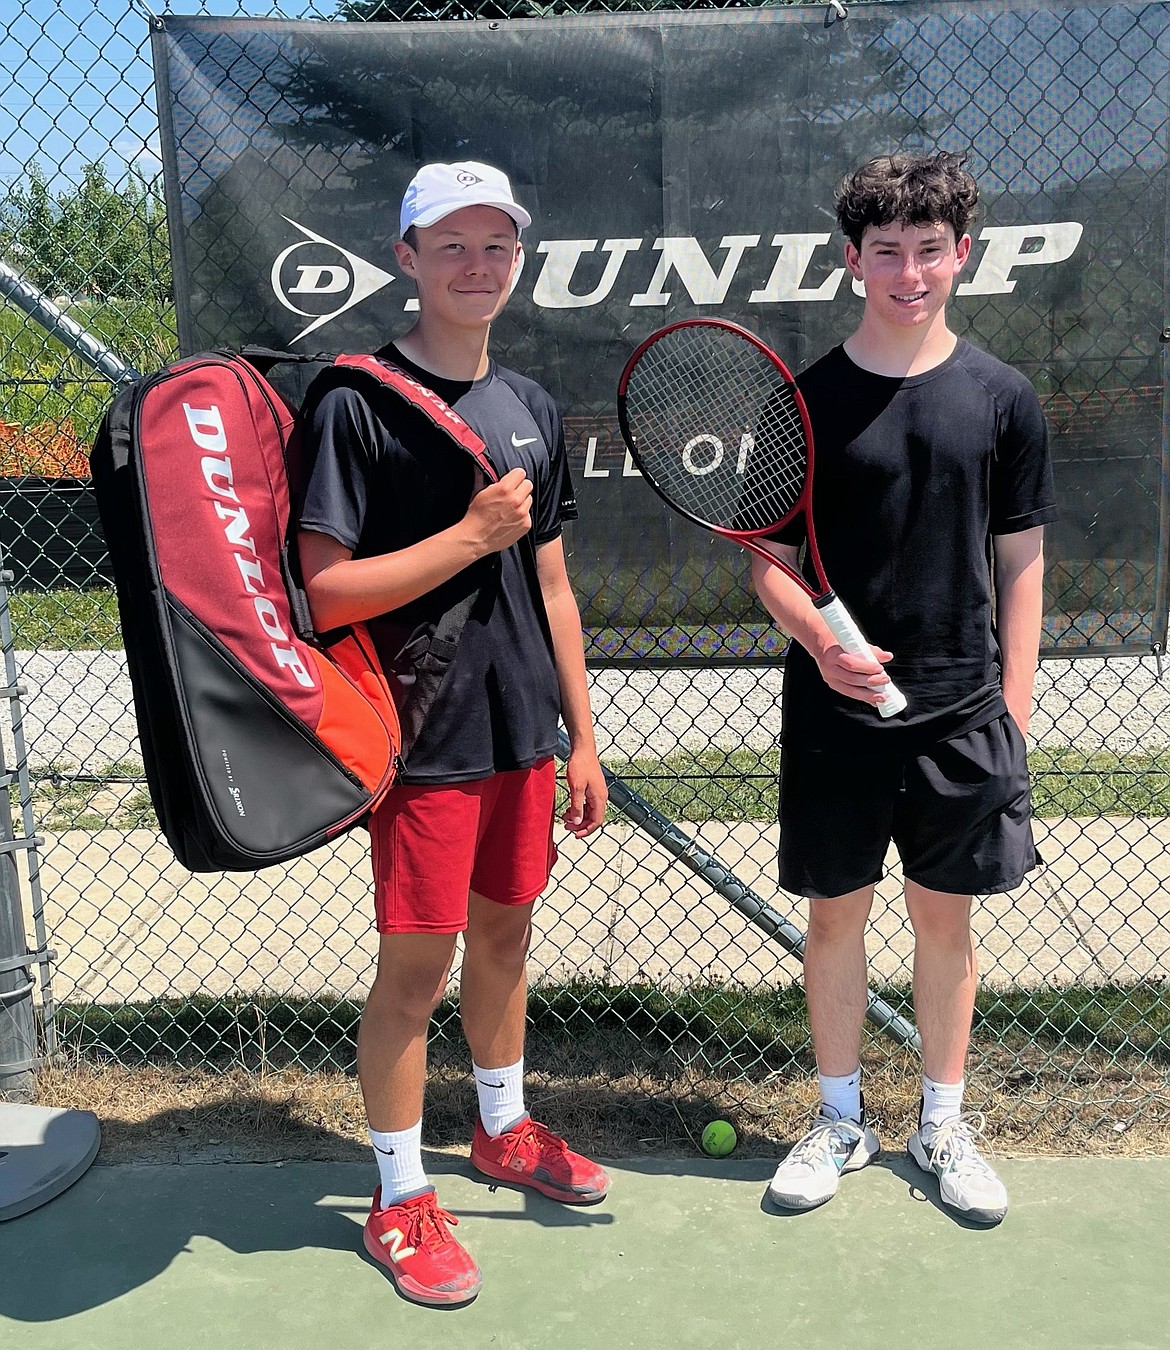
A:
x,y
932,488
464,842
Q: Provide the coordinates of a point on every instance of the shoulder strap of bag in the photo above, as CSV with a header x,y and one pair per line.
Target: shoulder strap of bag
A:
x,y
398,383
430,656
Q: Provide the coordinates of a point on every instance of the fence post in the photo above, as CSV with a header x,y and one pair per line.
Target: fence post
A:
x,y
18,1037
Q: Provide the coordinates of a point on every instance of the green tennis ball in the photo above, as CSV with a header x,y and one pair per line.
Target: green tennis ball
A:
x,y
718,1138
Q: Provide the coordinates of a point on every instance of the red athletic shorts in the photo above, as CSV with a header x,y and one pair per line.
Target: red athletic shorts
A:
x,y
431,845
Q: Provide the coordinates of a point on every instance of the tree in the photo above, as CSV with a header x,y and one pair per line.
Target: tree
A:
x,y
95,241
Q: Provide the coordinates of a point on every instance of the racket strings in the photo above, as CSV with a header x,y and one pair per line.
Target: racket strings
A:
x,y
717,428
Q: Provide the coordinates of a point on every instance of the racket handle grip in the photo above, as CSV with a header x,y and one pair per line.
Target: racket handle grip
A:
x,y
844,628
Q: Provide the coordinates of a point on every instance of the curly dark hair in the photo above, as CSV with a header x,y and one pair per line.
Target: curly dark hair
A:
x,y
922,189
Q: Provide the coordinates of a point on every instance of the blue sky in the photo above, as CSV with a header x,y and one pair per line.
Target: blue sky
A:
x,y
76,83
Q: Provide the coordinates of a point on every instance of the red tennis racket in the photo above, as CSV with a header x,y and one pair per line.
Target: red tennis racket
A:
x,y
718,428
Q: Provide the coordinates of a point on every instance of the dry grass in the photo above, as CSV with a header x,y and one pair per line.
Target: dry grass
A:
x,y
624,1072
163,1113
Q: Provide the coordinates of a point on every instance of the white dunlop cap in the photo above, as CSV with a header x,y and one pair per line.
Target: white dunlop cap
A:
x,y
439,189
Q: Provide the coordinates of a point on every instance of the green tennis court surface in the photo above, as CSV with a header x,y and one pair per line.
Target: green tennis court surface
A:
x,y
680,1255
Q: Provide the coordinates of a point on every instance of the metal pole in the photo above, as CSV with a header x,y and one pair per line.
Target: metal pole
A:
x,y
18,1033
37,305
18,1023
29,841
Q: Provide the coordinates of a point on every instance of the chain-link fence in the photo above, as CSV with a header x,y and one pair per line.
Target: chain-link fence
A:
x,y
665,960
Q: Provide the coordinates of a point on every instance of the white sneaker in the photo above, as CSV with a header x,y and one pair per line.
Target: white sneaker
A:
x,y
808,1176
966,1182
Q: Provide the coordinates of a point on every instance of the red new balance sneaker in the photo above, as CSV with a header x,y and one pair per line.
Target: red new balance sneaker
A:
x,y
412,1240
529,1154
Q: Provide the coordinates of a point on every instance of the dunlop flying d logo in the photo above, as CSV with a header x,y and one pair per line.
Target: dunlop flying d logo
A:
x,y
320,280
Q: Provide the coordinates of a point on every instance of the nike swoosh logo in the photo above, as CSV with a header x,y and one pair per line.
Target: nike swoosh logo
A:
x,y
485,1082
517,442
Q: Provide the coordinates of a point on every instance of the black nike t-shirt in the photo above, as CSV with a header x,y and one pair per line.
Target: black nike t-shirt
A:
x,y
912,479
384,478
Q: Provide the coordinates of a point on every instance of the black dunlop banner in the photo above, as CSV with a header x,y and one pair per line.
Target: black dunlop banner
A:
x,y
684,164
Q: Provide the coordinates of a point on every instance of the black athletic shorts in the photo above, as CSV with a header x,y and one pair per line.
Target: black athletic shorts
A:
x,y
959,812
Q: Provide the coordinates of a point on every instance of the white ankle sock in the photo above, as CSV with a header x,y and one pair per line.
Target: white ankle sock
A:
x,y
399,1155
501,1096
940,1101
843,1094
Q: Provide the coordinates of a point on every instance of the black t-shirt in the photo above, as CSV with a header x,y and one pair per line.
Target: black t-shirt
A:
x,y
912,477
384,478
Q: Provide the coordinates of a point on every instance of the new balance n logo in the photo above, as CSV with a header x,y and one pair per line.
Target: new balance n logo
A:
x,y
394,1239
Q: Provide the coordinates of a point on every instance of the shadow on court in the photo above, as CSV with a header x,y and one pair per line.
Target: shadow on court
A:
x,y
134,1257
124,1225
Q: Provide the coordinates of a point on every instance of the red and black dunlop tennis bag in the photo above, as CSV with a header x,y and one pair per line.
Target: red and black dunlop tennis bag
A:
x,y
260,740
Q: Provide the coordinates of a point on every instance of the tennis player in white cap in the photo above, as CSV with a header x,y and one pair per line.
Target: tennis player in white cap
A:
x,y
465,841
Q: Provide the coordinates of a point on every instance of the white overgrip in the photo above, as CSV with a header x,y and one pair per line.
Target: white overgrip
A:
x,y
844,628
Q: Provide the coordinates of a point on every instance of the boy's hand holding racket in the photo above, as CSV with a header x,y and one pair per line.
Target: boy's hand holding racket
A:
x,y
850,674
854,676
